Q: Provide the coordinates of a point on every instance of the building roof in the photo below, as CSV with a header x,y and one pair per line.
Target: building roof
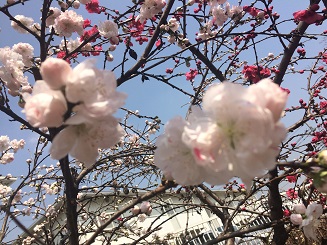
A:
x,y
4,180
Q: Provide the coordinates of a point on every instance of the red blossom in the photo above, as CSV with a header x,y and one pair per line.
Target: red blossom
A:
x,y
169,70
324,57
291,178
87,23
93,7
255,74
191,74
286,213
87,34
301,51
135,27
291,193
61,55
251,10
323,104
158,43
308,16
97,50
286,90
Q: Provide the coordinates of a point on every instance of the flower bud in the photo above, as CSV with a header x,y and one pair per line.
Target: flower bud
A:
x,y
136,210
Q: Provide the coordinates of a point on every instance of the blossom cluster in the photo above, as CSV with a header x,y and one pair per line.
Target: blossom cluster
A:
x,y
8,148
307,218
221,14
149,9
236,134
84,100
255,73
14,60
145,208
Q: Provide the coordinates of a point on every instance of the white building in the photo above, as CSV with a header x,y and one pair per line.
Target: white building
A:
x,y
176,218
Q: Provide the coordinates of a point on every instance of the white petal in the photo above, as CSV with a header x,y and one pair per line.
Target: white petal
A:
x,y
63,143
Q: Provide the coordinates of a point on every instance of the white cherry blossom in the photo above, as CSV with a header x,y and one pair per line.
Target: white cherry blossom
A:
x,y
25,21
175,158
307,218
173,24
94,89
236,134
82,139
26,50
108,29
53,14
12,70
4,143
150,8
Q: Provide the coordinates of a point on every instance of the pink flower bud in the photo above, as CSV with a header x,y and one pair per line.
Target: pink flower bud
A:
x,y
299,208
146,208
296,219
136,210
55,72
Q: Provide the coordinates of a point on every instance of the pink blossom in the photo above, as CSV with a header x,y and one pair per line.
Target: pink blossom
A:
x,y
12,70
69,22
307,218
273,97
299,208
7,157
217,143
136,210
26,50
146,208
296,219
55,72
173,24
45,107
175,158
234,12
17,144
219,15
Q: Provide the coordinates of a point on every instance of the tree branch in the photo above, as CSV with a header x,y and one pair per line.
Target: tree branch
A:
x,y
128,75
